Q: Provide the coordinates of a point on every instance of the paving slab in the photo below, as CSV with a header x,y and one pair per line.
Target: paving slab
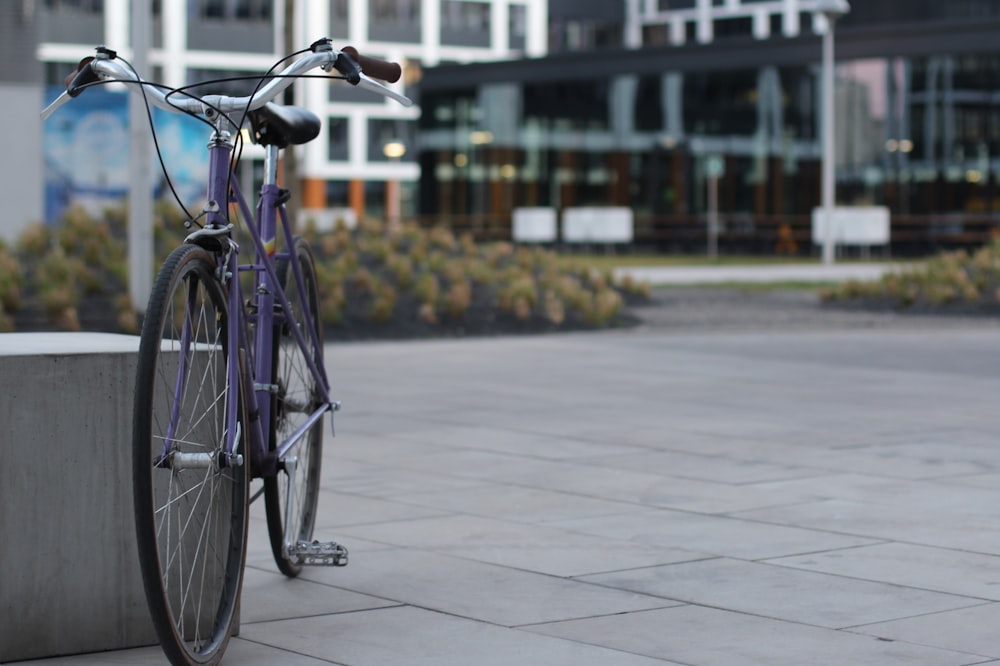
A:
x,y
538,548
967,629
719,497
891,522
410,636
496,594
713,535
714,637
778,592
939,569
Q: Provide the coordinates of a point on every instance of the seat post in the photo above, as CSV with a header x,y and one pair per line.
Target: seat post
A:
x,y
271,165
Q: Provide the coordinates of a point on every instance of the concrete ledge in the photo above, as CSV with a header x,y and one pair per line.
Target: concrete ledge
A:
x,y
69,573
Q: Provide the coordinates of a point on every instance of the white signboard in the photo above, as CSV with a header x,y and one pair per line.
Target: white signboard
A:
x,y
853,225
597,225
534,225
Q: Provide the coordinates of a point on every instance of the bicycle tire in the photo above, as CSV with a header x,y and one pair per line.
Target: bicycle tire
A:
x,y
191,520
296,397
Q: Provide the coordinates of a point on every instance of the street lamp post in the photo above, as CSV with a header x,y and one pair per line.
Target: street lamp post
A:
x,y
140,191
831,10
394,150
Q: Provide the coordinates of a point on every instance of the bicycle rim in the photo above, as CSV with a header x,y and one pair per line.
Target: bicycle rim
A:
x,y
296,398
190,512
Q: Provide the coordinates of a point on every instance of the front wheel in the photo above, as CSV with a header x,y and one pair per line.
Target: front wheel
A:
x,y
291,496
190,499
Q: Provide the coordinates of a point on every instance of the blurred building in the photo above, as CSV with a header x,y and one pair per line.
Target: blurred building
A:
x,y
365,157
637,121
21,172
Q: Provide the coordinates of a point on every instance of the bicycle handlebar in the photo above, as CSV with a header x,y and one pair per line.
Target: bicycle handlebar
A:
x,y
356,69
379,69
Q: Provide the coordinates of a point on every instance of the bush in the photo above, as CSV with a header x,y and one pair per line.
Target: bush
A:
x,y
397,279
11,276
952,281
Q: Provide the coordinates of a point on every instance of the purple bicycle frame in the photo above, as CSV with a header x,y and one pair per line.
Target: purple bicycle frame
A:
x,y
241,370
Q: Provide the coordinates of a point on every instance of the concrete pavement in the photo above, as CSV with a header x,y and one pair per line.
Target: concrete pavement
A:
x,y
640,497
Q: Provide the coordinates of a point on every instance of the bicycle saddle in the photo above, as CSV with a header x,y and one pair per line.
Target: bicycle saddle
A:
x,y
282,126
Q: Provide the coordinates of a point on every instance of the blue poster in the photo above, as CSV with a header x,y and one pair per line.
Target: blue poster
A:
x,y
86,153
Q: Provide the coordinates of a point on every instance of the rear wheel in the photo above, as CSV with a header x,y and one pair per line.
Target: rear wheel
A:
x,y
190,500
297,397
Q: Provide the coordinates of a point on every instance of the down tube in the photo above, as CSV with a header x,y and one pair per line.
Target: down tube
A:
x,y
258,425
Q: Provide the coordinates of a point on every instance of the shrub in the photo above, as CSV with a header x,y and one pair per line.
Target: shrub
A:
x,y
441,238
951,279
35,241
6,322
604,305
384,305
555,310
401,268
10,282
388,269
427,314
458,299
363,281
519,294
427,289
331,305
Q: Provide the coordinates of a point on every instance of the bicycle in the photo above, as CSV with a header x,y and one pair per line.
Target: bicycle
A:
x,y
230,386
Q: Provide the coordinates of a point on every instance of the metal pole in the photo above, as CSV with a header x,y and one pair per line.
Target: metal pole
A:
x,y
829,158
713,216
140,190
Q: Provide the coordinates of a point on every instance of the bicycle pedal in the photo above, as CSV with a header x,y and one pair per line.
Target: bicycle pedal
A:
x,y
318,553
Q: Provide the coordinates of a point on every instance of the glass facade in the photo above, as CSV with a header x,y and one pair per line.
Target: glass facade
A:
x,y
919,135
874,13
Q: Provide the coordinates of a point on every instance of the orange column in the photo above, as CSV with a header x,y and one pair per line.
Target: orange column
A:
x,y
313,193
356,197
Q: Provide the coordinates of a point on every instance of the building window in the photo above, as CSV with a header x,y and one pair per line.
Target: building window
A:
x,y
588,110
231,25
733,27
71,21
721,103
394,20
583,35
245,10
338,146
465,23
87,6
339,18
518,30
648,107
390,139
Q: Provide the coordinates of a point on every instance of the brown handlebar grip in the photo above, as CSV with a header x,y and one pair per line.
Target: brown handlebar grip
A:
x,y
72,75
379,69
